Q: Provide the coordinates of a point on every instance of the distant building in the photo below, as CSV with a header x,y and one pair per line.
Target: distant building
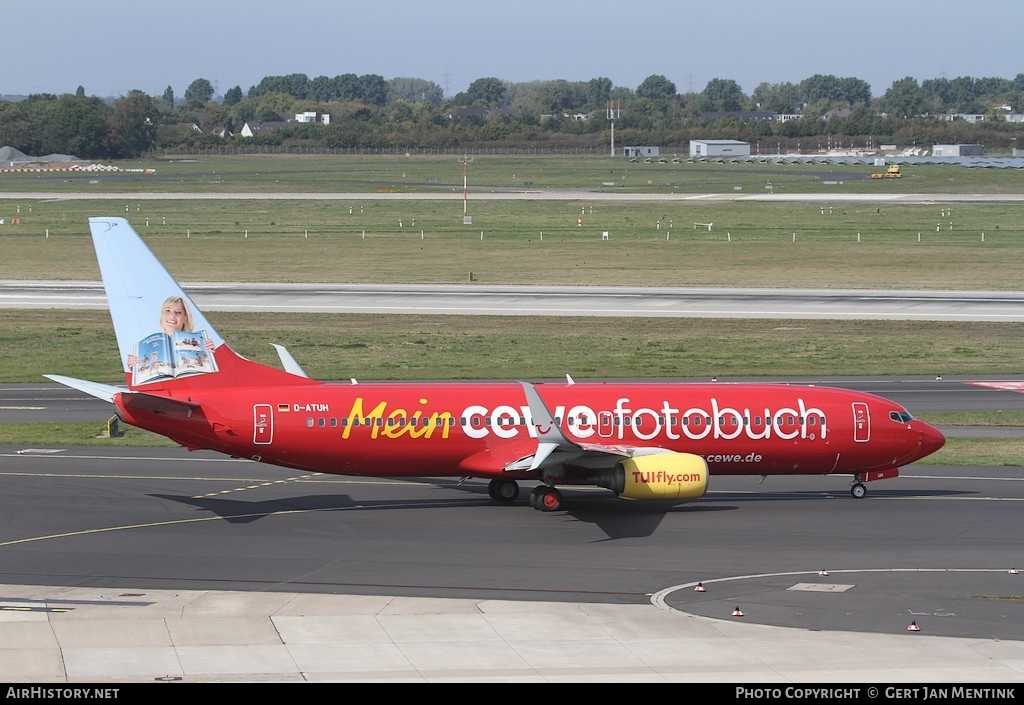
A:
x,y
957,150
251,129
311,116
575,117
719,148
634,152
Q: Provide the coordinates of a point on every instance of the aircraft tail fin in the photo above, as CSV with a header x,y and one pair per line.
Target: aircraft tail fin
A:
x,y
164,339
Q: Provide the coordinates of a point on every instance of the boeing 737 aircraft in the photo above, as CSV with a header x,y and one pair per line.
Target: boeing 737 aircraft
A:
x,y
640,440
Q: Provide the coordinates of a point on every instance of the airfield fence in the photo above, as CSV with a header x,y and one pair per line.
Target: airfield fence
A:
x,y
398,151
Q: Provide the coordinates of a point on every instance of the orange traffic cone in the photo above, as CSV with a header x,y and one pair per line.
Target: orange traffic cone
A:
x,y
699,588
913,627
736,612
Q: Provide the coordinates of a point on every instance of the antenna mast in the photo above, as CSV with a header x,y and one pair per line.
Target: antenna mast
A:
x,y
614,108
465,161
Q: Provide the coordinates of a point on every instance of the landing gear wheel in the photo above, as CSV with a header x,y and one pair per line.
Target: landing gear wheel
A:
x,y
534,495
503,491
858,490
546,499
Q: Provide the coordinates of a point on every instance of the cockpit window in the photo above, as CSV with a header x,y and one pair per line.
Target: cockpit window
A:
x,y
901,416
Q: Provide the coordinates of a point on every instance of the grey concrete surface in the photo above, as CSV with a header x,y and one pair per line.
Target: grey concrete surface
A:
x,y
97,635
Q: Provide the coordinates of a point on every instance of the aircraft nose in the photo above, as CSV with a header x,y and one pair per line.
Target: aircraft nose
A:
x,y
931,439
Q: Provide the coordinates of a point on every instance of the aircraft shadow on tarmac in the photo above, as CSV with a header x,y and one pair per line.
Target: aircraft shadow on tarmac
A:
x,y
615,518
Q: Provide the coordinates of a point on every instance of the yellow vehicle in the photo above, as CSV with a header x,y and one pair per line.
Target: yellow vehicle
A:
x,y
893,172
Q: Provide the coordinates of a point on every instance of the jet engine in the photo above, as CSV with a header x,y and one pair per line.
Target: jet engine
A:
x,y
662,476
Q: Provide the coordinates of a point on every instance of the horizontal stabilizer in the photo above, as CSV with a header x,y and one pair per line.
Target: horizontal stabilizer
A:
x,y
105,392
140,401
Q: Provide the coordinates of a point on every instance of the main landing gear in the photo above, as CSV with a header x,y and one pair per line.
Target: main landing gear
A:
x,y
542,498
546,499
503,491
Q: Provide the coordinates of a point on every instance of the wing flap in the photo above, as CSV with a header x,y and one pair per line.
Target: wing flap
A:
x,y
514,455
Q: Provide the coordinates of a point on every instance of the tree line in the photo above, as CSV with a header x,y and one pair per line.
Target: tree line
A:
x,y
368,112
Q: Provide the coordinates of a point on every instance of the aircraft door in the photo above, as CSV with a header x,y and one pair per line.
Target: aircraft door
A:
x,y
263,424
605,424
861,422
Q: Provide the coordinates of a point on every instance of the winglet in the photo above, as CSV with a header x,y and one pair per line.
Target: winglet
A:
x,y
290,365
544,422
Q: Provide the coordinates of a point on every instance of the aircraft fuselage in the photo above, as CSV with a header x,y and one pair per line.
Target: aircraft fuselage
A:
x,y
431,429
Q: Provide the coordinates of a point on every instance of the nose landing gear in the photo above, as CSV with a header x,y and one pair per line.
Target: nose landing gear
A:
x,y
857,488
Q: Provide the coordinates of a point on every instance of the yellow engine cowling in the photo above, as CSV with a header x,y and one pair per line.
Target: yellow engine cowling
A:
x,y
664,476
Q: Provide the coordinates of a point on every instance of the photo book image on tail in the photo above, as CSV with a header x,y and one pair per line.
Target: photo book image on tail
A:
x,y
162,356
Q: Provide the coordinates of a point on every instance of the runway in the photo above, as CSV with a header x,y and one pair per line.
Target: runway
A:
x,y
517,194
473,299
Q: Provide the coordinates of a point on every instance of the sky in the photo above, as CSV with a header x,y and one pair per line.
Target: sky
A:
x,y
114,46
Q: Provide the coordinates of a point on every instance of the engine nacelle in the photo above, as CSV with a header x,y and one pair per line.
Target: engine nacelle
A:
x,y
664,476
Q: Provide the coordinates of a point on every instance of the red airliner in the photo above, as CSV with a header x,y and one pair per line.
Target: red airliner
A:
x,y
641,440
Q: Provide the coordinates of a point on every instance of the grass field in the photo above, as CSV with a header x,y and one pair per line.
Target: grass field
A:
x,y
655,243
850,245
331,346
924,245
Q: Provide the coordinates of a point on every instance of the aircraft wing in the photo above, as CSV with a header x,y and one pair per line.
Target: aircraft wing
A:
x,y
553,448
